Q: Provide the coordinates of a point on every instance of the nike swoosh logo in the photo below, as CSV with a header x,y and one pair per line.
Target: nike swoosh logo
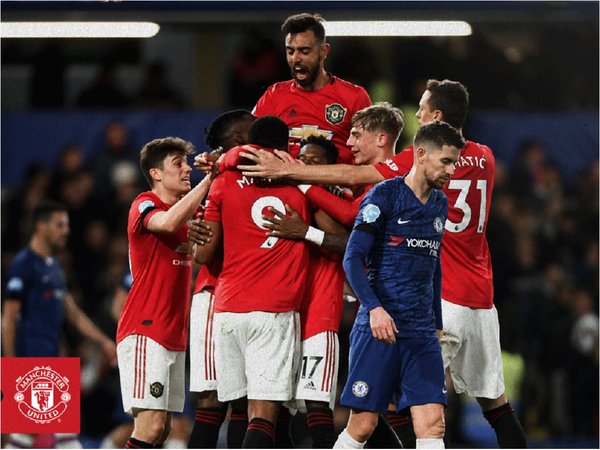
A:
x,y
402,222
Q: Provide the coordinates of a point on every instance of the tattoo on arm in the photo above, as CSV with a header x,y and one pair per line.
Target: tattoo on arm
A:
x,y
335,242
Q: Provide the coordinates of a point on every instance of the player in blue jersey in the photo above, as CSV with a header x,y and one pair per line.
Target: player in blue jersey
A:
x,y
394,348
38,302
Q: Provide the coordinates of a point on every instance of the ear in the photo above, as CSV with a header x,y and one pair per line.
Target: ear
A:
x,y
438,115
420,153
382,139
155,174
324,50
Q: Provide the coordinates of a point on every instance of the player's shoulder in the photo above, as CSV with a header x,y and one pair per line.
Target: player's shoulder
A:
x,y
145,200
476,147
347,85
23,258
278,87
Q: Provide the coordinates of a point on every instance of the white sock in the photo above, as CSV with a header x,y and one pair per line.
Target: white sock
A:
x,y
175,443
108,442
19,440
67,440
344,440
430,443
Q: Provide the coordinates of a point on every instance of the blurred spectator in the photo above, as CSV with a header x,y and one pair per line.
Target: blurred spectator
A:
x,y
103,92
70,163
155,91
256,65
116,148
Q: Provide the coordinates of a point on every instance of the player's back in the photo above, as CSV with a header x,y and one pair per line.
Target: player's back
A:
x,y
466,259
260,273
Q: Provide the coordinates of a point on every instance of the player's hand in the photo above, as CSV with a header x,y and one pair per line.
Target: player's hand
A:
x,y
287,226
287,158
199,232
208,162
382,325
110,350
267,165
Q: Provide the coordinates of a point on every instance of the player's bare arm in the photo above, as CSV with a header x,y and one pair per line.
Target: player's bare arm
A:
x,y
203,254
382,325
336,236
271,166
10,314
172,220
86,327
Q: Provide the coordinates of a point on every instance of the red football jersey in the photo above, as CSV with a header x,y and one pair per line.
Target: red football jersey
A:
x,y
260,273
158,303
467,277
322,310
326,111
209,273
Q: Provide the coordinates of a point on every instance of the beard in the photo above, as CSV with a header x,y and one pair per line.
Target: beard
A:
x,y
312,74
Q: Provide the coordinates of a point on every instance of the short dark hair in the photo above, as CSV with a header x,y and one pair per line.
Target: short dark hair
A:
x,y
299,23
381,116
154,153
222,125
439,134
45,209
450,97
331,151
270,132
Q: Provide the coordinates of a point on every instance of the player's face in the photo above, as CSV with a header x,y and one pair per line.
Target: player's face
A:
x,y
425,114
363,145
312,154
56,231
305,56
176,173
439,165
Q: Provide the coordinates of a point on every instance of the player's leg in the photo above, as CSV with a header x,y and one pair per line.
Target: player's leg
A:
x,y
503,419
152,383
401,423
383,435
423,389
210,413
372,377
238,423
428,422
359,428
316,385
271,362
475,365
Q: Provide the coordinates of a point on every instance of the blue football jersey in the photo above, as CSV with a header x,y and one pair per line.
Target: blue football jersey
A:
x,y
403,264
39,283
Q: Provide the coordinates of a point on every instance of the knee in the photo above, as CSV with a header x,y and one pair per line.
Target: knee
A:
x,y
431,426
362,427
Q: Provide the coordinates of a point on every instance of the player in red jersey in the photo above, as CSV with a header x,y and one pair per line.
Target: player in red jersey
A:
x,y
152,329
259,290
321,312
313,101
226,131
467,281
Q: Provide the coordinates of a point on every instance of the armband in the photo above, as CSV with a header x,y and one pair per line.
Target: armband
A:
x,y
314,235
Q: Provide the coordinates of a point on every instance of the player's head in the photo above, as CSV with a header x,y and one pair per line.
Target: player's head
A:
x,y
269,132
229,129
305,47
317,150
50,223
446,101
165,161
375,130
437,146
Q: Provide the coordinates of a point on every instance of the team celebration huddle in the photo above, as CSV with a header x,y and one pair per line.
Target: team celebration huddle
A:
x,y
305,202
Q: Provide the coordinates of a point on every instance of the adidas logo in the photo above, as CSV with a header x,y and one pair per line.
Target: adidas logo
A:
x,y
310,385
292,113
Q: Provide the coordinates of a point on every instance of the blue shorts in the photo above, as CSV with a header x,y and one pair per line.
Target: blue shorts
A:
x,y
411,370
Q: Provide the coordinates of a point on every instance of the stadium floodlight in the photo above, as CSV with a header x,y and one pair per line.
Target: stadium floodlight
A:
x,y
78,29
397,28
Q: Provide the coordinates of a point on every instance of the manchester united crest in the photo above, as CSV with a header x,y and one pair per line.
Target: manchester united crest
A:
x,y
335,113
42,394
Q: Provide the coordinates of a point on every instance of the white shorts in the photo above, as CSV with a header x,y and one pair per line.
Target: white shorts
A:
x,y
318,371
203,375
471,350
152,377
256,354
